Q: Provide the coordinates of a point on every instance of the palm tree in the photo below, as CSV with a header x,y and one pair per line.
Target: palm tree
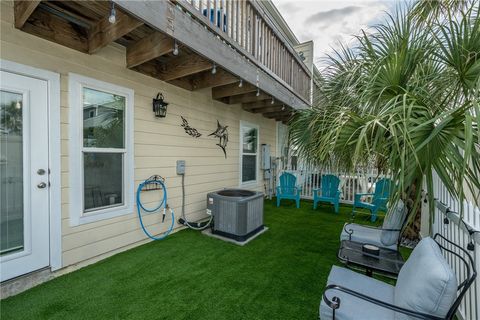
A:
x,y
405,98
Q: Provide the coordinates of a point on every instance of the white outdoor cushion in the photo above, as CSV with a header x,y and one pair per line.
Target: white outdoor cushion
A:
x,y
393,220
426,283
355,308
364,234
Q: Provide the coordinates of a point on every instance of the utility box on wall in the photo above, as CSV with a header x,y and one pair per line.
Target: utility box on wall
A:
x,y
265,157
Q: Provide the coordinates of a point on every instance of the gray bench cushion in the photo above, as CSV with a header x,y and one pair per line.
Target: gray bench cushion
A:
x,y
379,237
364,234
393,220
354,308
426,283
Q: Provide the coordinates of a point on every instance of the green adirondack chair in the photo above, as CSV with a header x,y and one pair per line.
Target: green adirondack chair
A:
x,y
288,189
379,198
328,192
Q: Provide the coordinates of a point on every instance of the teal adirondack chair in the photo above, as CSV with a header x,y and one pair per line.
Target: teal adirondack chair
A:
x,y
379,198
328,192
288,189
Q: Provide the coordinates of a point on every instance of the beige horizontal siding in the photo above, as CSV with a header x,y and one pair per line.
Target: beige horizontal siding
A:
x,y
158,143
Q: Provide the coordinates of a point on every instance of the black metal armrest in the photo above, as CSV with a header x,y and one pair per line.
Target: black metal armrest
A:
x,y
349,232
335,303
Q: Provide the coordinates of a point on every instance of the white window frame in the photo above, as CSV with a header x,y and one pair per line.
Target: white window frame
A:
x,y
257,159
78,216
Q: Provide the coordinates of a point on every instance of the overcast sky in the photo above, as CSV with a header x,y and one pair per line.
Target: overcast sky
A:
x,y
327,22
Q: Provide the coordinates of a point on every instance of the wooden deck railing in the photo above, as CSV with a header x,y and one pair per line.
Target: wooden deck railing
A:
x,y
243,25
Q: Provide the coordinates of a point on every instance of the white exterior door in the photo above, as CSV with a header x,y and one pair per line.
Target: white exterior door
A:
x,y
24,175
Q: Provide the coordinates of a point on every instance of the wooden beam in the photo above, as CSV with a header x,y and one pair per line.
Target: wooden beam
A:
x,y
164,16
285,117
241,47
232,90
277,114
259,104
178,68
273,108
152,46
206,79
184,83
248,97
22,11
185,66
104,32
150,68
56,29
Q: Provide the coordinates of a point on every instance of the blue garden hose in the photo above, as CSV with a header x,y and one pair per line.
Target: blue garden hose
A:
x,y
163,203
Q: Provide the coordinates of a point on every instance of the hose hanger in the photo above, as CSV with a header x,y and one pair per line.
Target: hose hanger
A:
x,y
154,183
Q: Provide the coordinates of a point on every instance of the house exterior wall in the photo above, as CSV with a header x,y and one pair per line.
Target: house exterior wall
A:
x,y
158,143
305,49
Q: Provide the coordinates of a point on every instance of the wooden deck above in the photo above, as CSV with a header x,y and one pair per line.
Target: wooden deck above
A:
x,y
253,65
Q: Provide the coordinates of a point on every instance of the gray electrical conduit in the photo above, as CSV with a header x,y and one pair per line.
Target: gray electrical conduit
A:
x,y
185,221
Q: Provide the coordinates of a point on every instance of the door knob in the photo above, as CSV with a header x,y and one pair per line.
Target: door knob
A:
x,y
41,185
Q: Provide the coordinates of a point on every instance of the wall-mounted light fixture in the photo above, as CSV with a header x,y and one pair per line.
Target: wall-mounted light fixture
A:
x,y
258,92
273,100
159,106
240,83
214,68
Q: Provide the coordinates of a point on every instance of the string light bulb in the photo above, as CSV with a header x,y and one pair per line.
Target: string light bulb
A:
x,y
175,48
258,92
214,68
113,14
283,107
240,84
18,105
273,101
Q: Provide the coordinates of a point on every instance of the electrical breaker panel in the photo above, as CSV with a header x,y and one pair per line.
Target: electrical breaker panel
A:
x,y
180,166
265,157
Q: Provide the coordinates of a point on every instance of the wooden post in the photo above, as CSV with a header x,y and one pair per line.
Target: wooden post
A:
x,y
209,14
215,14
228,3
262,42
237,6
244,24
222,21
255,36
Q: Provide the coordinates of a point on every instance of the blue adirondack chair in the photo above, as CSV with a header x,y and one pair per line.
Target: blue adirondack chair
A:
x,y
379,198
288,189
328,192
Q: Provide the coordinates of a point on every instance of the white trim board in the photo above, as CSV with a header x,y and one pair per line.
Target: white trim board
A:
x,y
252,183
77,216
54,156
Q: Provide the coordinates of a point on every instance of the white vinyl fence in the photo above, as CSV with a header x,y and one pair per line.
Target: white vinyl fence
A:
x,y
310,179
456,230
446,206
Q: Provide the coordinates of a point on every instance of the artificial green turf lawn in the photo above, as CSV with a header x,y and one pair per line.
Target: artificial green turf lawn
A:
x,y
279,275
